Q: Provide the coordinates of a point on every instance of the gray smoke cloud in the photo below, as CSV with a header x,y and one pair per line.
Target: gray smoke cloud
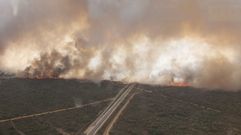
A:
x,y
165,18
29,17
149,41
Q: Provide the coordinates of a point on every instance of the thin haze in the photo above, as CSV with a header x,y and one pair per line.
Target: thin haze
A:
x,y
147,41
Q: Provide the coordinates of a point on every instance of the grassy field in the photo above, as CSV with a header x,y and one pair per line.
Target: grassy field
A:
x,y
153,111
181,111
25,96
67,122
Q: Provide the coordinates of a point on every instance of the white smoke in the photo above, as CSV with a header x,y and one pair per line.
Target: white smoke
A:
x,y
149,41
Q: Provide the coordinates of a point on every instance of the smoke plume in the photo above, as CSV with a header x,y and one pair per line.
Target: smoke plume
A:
x,y
149,41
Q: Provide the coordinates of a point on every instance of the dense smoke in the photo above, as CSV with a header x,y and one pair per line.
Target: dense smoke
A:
x,y
148,41
48,66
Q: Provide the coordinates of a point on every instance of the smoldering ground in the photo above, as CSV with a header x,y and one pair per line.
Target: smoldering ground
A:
x,y
146,41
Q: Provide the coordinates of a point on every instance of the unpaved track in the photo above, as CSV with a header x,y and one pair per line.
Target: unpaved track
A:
x,y
16,129
109,127
54,111
100,121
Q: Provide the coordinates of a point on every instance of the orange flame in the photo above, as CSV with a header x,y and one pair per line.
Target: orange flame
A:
x,y
180,84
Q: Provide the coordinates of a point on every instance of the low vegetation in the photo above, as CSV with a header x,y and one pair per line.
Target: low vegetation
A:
x,y
20,97
181,111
